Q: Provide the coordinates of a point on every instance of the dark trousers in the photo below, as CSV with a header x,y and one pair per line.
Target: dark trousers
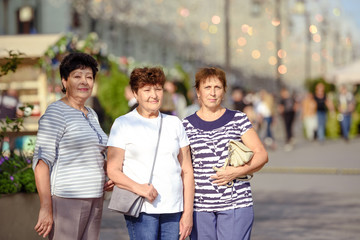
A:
x,y
289,121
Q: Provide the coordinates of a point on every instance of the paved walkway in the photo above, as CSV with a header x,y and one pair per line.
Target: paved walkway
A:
x,y
311,192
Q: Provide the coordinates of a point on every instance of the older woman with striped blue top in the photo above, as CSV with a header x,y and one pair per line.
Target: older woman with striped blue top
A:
x,y
221,210
69,158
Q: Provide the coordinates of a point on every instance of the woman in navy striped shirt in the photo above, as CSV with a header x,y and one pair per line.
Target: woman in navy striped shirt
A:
x,y
220,212
69,158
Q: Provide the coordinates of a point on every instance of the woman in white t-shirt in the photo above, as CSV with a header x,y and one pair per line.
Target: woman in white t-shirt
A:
x,y
167,211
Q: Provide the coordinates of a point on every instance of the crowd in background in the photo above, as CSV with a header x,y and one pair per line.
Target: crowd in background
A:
x,y
281,118
275,116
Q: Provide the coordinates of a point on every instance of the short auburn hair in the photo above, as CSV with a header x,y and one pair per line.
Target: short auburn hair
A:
x,y
208,72
140,77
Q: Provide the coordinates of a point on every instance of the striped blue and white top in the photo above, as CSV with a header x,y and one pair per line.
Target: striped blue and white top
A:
x,y
73,145
209,148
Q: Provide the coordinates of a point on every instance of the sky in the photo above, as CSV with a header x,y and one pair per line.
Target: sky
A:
x,y
352,9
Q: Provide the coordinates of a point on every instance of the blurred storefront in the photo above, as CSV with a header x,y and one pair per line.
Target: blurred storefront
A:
x,y
29,81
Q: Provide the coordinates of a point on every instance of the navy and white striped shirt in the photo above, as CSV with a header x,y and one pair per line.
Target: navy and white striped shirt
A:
x,y
73,145
209,148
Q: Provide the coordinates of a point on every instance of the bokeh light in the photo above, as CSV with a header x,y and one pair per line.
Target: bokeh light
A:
x,y
184,12
336,12
250,31
319,17
317,38
213,29
275,22
313,29
272,60
256,54
241,41
281,53
215,19
204,26
270,45
206,41
282,69
244,28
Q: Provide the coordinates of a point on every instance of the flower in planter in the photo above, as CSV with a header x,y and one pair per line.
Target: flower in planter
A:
x,y
16,174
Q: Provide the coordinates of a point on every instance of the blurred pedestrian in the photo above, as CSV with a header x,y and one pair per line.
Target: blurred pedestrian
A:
x,y
287,108
237,98
178,99
309,116
129,95
345,106
9,104
323,105
194,106
266,110
69,158
250,101
167,210
220,211
167,106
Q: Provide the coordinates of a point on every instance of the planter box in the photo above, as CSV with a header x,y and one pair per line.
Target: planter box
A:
x,y
18,216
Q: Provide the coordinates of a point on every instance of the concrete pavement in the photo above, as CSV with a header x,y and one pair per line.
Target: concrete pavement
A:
x,y
311,192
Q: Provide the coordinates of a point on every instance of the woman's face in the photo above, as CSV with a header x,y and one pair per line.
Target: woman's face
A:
x,y
79,83
211,93
150,98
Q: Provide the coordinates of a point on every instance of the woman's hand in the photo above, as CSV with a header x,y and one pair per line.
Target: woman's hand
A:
x,y
148,191
42,178
186,221
109,185
45,221
224,176
186,224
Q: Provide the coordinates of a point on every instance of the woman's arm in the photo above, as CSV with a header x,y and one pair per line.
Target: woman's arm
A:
x,y
115,173
260,158
109,185
42,179
186,221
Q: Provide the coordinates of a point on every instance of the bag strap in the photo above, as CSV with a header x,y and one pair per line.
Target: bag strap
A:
x,y
156,150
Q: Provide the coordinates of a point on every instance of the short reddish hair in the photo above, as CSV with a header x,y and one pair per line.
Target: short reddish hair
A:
x,y
204,73
140,77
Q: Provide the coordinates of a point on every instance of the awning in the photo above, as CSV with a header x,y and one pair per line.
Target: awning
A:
x,y
33,45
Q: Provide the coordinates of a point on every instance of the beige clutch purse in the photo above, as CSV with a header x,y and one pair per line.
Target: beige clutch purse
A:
x,y
239,154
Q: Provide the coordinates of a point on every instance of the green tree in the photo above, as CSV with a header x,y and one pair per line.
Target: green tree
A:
x,y
111,94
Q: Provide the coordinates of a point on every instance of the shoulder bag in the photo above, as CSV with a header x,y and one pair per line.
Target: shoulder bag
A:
x,y
127,202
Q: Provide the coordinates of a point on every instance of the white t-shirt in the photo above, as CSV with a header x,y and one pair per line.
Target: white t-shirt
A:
x,y
138,135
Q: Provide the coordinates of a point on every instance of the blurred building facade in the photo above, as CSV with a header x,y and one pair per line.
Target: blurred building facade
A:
x,y
261,43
